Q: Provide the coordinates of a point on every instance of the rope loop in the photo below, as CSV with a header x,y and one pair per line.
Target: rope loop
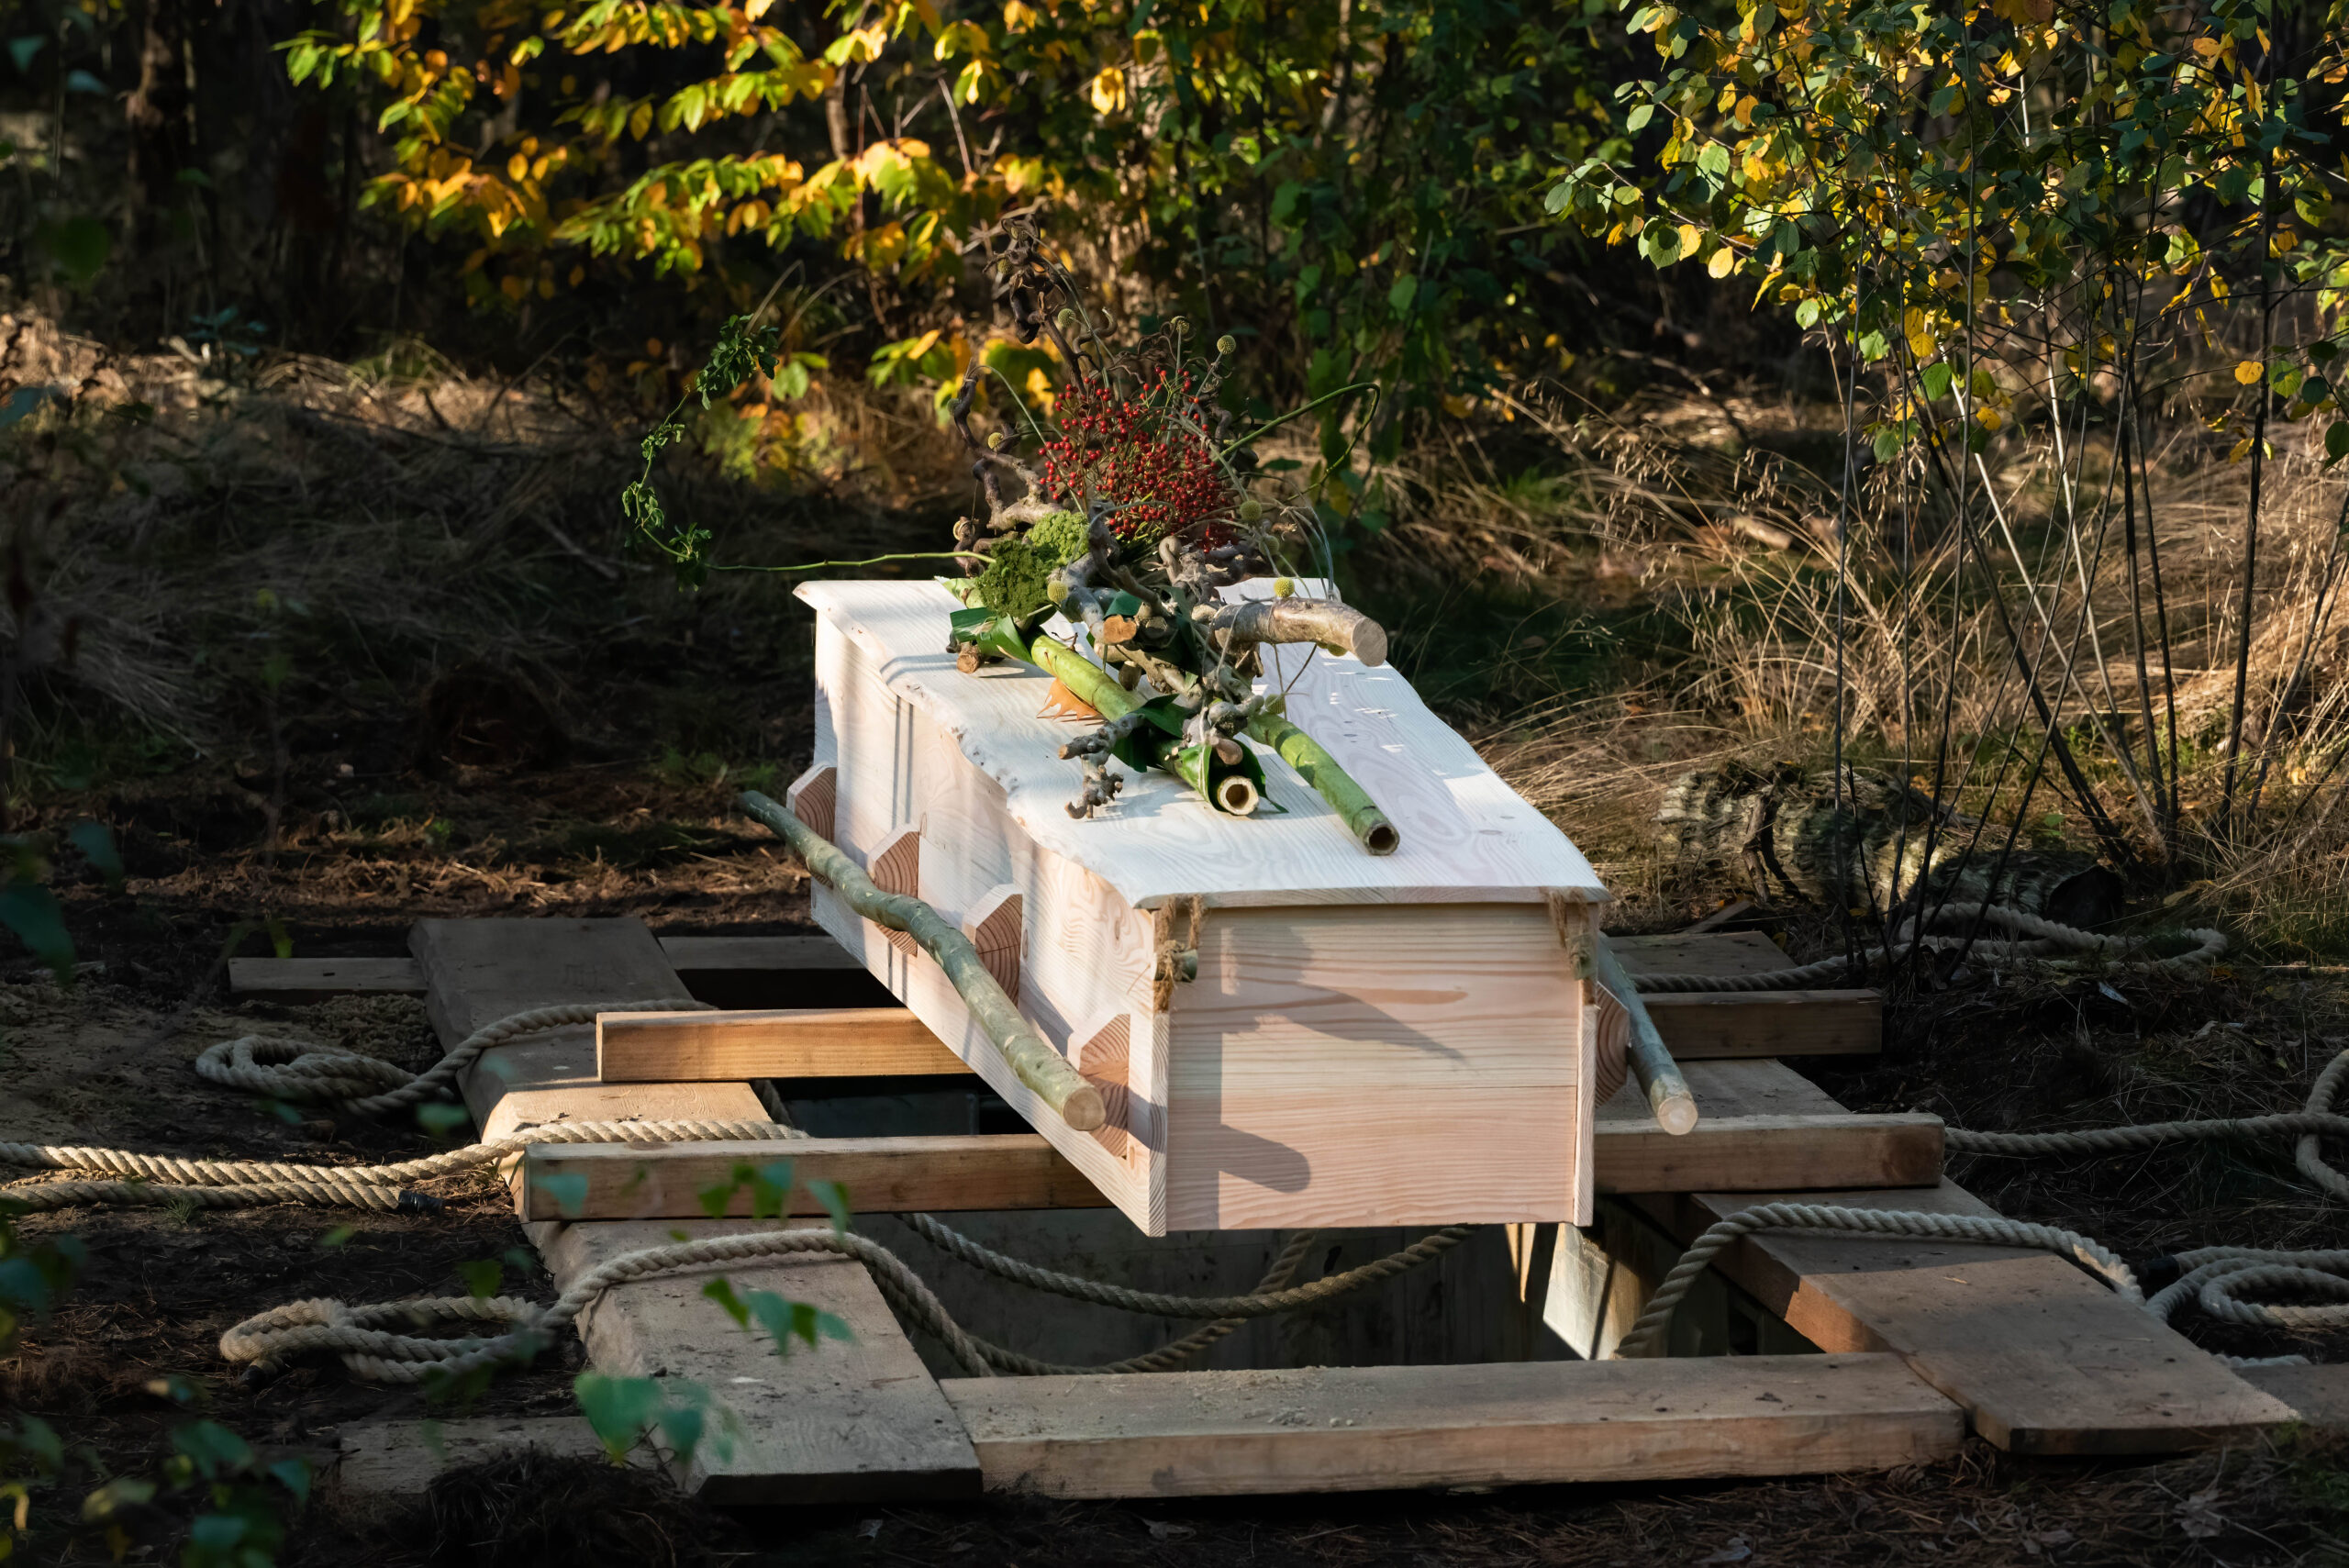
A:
x,y
2044,942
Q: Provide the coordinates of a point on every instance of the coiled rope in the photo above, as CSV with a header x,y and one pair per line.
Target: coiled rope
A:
x,y
2042,941
304,1072
300,1070
367,1337
2215,1277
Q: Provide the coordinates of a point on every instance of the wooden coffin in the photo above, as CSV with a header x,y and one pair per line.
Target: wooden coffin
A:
x,y
1368,1039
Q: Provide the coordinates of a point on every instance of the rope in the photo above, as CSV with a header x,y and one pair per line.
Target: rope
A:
x,y
368,1339
269,1339
302,1071
2044,940
2315,1119
2214,1278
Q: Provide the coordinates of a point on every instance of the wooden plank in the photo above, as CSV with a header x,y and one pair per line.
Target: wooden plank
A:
x,y
2319,1396
818,1042
296,980
398,1460
859,1420
694,955
1021,1171
1359,1429
1703,1025
1768,1153
849,1421
881,1175
480,971
2043,1359
1467,836
1724,953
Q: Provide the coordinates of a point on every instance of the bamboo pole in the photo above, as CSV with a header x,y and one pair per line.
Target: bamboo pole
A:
x,y
1097,689
1316,767
1659,1075
1039,1066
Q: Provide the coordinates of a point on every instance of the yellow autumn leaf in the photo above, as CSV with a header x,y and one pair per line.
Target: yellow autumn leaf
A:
x,y
1987,417
1690,240
1723,261
2241,447
2248,373
1108,91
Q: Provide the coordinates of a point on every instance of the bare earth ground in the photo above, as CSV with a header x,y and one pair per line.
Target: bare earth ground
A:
x,y
109,1061
491,718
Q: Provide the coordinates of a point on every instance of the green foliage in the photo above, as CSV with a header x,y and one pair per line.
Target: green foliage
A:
x,y
743,349
1356,182
623,1409
27,906
1925,182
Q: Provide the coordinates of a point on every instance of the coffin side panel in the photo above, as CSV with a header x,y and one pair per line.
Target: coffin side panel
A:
x,y
1084,954
1377,1066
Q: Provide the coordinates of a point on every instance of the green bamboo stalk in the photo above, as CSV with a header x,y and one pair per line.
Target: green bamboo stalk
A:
x,y
1039,1066
1091,684
1316,767
1099,690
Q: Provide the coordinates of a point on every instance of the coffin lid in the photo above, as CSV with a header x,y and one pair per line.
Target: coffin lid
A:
x,y
1467,836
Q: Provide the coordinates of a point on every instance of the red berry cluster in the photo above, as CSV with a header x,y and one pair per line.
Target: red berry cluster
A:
x,y
1140,452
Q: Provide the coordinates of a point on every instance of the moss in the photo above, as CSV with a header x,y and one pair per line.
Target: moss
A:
x,y
1013,582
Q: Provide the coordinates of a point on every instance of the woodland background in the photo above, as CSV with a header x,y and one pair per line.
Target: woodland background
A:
x,y
1848,393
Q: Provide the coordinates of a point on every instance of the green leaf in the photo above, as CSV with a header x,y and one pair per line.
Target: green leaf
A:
x,y
619,1409
213,1448
293,1474
721,1291
1638,116
2336,442
1714,160
1404,290
569,1191
23,50
482,1277
77,247
95,841
439,1118
32,912
1887,444
834,1197
1936,379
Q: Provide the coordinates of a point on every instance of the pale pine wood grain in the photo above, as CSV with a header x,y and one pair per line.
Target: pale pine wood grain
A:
x,y
880,1175
1361,1428
1084,952
803,1042
1341,1066
896,868
812,796
1466,836
994,929
1768,1153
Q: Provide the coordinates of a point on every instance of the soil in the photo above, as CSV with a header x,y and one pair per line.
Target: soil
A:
x,y
107,1060
557,750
